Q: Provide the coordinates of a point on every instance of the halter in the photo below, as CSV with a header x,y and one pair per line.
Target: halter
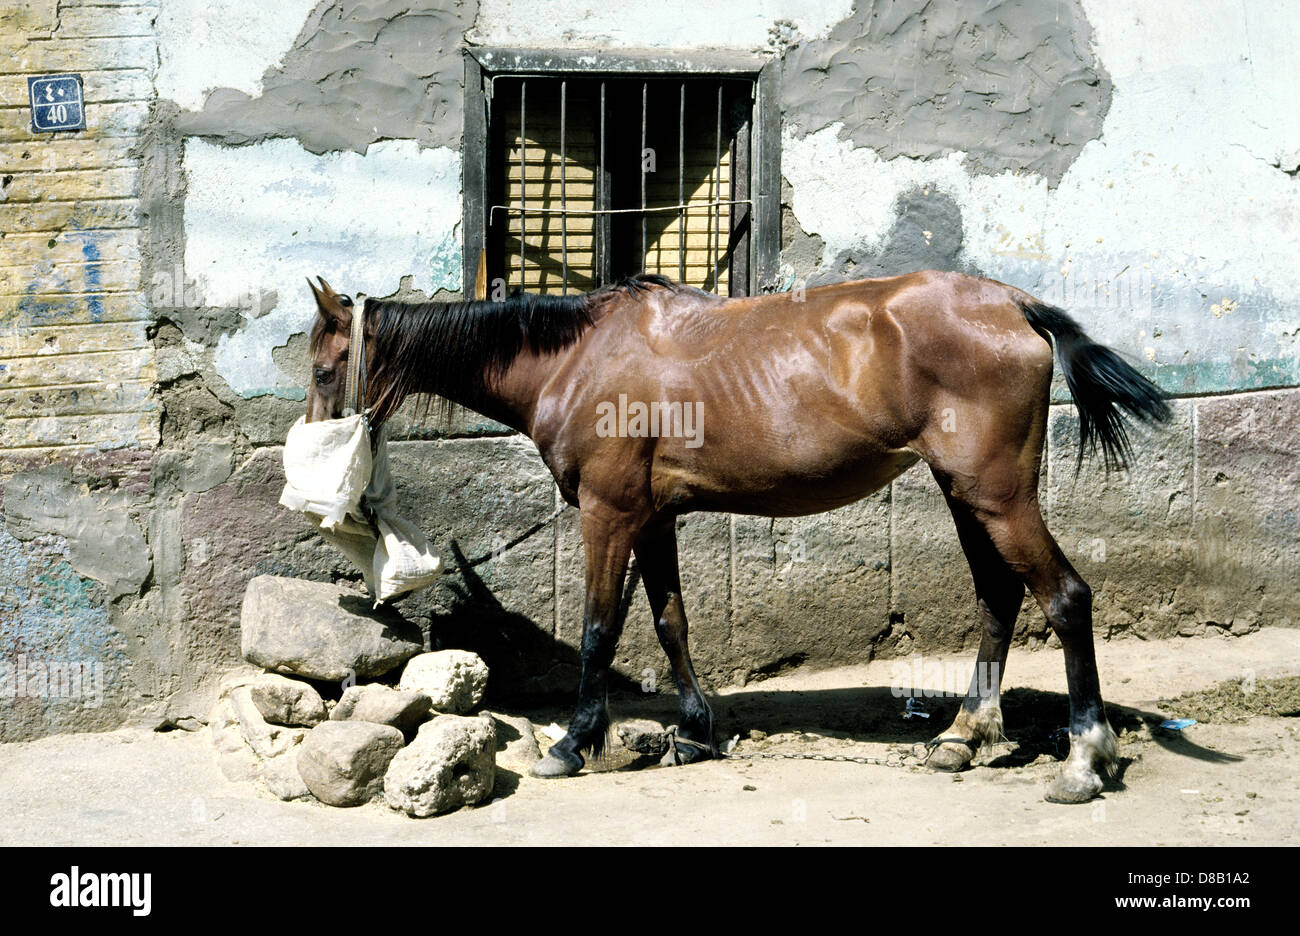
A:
x,y
354,389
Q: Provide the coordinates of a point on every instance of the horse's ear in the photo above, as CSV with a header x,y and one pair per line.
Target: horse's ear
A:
x,y
327,301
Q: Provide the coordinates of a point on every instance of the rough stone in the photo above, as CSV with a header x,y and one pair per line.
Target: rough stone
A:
x,y
1129,534
384,706
228,535
343,762
248,749
643,736
451,763
516,745
1246,532
236,759
284,701
265,739
282,777
453,680
321,631
810,588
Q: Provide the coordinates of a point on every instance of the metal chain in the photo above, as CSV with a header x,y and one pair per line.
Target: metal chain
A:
x,y
896,759
893,759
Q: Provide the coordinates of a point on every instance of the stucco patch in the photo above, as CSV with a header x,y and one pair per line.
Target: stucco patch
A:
x,y
359,71
1012,84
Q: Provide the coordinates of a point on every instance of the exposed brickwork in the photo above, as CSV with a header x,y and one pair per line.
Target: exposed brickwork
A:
x,y
76,366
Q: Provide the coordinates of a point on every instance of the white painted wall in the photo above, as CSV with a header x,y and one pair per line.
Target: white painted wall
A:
x,y
718,24
264,217
206,44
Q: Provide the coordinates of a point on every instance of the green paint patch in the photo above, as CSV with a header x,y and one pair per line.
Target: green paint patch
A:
x,y
1208,377
296,394
1228,376
63,590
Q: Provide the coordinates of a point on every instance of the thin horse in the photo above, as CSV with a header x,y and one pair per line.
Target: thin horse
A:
x,y
800,407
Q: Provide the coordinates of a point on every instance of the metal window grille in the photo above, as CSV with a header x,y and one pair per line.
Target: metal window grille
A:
x,y
591,178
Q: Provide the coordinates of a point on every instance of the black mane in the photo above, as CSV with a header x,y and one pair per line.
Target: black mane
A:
x,y
454,348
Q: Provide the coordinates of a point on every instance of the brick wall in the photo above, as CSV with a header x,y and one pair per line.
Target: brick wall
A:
x,y
76,367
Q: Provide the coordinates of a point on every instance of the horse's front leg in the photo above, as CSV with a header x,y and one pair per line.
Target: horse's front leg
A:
x,y
656,556
607,536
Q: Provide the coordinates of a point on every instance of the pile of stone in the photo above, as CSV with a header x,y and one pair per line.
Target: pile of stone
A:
x,y
421,744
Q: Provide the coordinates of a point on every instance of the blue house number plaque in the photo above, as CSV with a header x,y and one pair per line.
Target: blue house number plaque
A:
x,y
57,103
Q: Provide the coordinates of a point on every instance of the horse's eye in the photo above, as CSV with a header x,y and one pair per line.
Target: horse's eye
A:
x,y
345,301
323,376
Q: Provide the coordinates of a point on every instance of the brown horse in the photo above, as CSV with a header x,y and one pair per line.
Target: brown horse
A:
x,y
650,399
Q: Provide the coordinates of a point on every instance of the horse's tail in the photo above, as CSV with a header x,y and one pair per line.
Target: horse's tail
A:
x,y
1105,388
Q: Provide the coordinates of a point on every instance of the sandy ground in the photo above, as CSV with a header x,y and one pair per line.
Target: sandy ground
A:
x,y
1217,783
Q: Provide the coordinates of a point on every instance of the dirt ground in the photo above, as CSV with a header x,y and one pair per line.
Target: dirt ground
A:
x,y
1228,780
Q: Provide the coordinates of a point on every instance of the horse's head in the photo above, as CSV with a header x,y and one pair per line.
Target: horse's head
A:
x,y
330,337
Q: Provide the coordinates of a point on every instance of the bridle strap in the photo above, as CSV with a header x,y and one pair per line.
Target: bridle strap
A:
x,y
354,389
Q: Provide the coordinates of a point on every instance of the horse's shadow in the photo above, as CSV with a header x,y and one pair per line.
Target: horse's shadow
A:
x,y
1034,720
511,643
470,616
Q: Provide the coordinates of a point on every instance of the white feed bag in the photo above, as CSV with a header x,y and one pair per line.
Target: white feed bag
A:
x,y
333,478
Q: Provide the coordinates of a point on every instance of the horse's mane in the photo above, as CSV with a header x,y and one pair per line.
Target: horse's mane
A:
x,y
473,341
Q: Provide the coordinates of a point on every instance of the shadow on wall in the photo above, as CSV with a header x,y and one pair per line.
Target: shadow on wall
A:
x,y
926,235
512,644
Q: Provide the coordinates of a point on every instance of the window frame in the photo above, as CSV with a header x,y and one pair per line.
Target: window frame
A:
x,y
483,64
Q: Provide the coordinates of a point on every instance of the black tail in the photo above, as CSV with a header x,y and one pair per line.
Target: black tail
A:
x,y
1104,387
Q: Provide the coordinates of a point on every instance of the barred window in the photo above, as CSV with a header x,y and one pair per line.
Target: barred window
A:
x,y
582,170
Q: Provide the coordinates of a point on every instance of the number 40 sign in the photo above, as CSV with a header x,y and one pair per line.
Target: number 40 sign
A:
x,y
57,103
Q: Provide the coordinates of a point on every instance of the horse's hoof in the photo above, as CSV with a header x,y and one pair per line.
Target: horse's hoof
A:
x,y
552,766
950,757
686,754
1072,787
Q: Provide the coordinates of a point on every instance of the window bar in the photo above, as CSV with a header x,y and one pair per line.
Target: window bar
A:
x,y
716,253
644,87
564,217
523,182
681,186
603,226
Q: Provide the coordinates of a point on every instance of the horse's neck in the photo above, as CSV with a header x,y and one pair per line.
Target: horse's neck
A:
x,y
512,397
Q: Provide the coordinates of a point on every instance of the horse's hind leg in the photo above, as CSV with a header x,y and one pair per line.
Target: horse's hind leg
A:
x,y
607,544
998,592
656,556
1015,527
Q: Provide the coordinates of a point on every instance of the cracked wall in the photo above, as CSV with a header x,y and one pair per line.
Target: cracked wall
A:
x,y
1135,165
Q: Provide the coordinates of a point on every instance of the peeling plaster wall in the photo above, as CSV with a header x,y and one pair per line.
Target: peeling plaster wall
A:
x,y
202,47
1010,84
260,219
359,71
1135,163
1162,235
